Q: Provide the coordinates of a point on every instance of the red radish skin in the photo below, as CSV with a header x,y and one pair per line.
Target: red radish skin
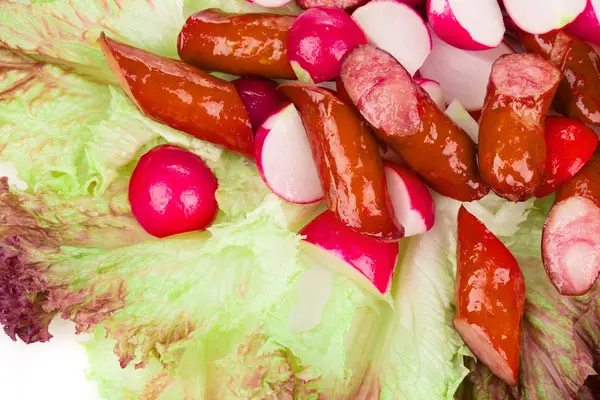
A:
x,y
396,28
412,203
459,23
587,25
346,5
318,41
172,191
284,158
367,261
434,90
569,144
260,98
181,96
571,235
463,74
490,298
543,16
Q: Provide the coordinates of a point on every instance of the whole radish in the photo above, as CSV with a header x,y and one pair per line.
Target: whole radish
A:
x,y
172,191
260,98
318,41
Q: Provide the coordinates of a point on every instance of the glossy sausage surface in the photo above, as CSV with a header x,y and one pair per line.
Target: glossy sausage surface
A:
x,y
239,44
404,116
490,297
348,161
578,95
182,96
512,150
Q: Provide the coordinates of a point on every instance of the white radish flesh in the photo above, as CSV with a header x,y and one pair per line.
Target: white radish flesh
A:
x,y
270,3
543,16
463,74
587,25
463,119
414,208
367,261
284,158
396,28
468,25
434,90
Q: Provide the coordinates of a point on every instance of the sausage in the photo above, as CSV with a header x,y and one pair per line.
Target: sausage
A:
x,y
239,44
346,5
512,150
490,298
571,235
348,161
403,115
578,95
181,96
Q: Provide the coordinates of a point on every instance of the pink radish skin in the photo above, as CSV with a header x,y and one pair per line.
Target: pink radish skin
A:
x,y
270,3
543,16
414,208
463,74
396,28
367,261
284,158
464,120
434,90
587,25
470,25
259,97
172,191
318,41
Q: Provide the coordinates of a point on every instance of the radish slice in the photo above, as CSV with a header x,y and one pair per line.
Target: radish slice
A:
x,y
543,16
284,158
367,261
468,25
463,74
396,28
571,245
270,3
464,120
413,205
434,90
260,98
587,25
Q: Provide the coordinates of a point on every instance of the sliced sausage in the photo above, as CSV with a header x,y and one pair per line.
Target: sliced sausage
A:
x,y
403,115
512,150
239,44
181,96
348,161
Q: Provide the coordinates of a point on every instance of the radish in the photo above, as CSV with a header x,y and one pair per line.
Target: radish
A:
x,y
434,90
284,158
172,191
396,28
463,74
543,16
346,5
367,261
463,119
270,3
260,97
587,25
413,205
318,41
468,25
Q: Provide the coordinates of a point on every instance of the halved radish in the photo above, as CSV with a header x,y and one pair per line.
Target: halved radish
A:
x,y
468,25
463,74
414,208
543,16
270,3
587,25
463,119
284,158
434,90
260,98
397,28
367,261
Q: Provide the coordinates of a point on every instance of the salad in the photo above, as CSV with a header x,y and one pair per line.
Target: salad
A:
x,y
320,199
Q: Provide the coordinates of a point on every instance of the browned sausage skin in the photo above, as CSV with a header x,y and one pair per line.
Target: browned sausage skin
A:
x,y
406,118
239,44
348,161
578,95
512,150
